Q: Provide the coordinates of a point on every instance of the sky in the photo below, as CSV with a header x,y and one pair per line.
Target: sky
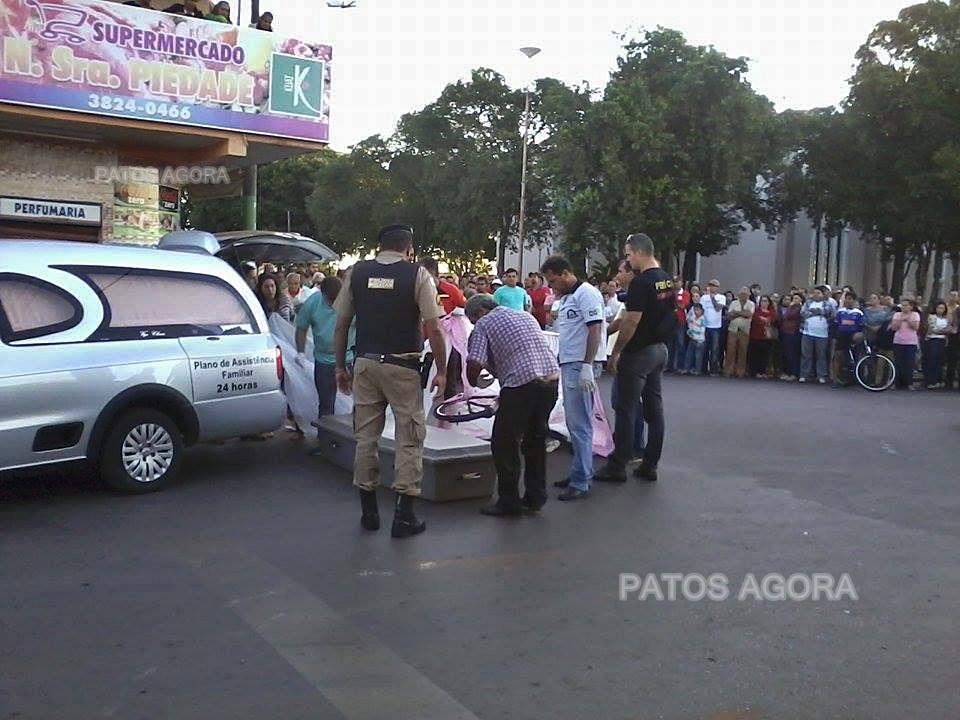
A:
x,y
395,56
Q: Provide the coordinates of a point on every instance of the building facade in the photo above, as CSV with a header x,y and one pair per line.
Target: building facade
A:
x,y
109,112
801,256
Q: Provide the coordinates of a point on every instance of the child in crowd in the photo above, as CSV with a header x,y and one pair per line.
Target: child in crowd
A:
x,y
696,341
850,325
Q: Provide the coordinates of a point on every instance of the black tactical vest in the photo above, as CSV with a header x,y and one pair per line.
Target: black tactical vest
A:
x,y
388,318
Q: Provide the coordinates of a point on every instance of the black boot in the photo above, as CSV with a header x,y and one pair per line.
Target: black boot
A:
x,y
405,523
370,520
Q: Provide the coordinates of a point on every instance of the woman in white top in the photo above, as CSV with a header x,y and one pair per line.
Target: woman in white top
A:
x,y
934,347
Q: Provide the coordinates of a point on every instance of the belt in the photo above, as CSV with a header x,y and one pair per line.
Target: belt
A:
x,y
410,363
547,380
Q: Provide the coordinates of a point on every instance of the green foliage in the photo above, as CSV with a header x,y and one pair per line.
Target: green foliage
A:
x,y
281,186
679,146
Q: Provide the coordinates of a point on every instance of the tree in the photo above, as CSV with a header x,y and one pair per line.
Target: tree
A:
x,y
461,155
904,103
679,146
352,197
282,186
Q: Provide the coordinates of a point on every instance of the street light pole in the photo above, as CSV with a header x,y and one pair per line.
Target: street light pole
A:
x,y
529,52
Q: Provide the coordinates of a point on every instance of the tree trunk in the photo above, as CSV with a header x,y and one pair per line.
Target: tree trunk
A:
x,y
937,290
502,244
816,264
666,262
899,267
690,265
884,270
955,270
922,271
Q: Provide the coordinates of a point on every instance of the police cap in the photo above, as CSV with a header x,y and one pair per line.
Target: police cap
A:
x,y
395,236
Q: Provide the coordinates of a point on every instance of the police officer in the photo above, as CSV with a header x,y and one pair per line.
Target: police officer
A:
x,y
638,360
393,300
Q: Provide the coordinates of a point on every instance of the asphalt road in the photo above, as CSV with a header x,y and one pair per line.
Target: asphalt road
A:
x,y
247,590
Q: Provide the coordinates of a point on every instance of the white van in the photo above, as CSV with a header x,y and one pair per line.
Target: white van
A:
x,y
122,356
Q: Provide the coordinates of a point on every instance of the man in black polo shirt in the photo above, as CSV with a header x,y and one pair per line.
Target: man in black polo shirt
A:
x,y
638,360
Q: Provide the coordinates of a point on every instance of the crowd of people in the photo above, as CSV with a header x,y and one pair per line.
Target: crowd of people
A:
x,y
801,334
806,334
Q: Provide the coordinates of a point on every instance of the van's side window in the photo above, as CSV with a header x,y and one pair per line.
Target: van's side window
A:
x,y
151,304
32,308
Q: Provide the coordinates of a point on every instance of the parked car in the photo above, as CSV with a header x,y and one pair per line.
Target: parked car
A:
x,y
120,357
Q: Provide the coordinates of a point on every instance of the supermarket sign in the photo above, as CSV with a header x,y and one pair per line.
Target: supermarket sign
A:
x,y
123,61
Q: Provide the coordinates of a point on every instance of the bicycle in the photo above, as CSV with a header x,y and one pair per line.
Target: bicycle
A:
x,y
873,371
462,408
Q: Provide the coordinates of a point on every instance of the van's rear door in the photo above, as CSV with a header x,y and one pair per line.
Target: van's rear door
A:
x,y
236,384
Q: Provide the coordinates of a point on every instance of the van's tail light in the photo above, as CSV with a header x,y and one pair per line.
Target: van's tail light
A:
x,y
279,365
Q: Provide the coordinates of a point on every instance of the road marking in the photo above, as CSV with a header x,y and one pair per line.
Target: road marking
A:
x,y
888,448
361,677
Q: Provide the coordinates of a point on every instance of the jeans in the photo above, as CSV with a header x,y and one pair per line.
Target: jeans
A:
x,y
790,348
521,424
639,426
639,378
677,346
713,351
578,409
693,362
325,378
933,353
815,351
904,358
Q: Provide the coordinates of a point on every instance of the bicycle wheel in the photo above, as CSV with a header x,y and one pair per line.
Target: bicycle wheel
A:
x,y
875,372
459,409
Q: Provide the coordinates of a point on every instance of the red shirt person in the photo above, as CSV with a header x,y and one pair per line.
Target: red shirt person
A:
x,y
539,292
450,296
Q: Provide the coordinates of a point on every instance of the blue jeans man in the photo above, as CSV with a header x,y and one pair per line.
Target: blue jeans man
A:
x,y
578,409
814,356
712,352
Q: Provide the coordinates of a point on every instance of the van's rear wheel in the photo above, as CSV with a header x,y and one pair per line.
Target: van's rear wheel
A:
x,y
141,452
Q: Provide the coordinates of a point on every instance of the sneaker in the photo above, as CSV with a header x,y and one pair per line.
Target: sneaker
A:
x,y
803,379
552,444
785,377
572,493
822,381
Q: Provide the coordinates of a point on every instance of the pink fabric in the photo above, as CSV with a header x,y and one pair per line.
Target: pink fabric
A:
x,y
602,436
456,331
